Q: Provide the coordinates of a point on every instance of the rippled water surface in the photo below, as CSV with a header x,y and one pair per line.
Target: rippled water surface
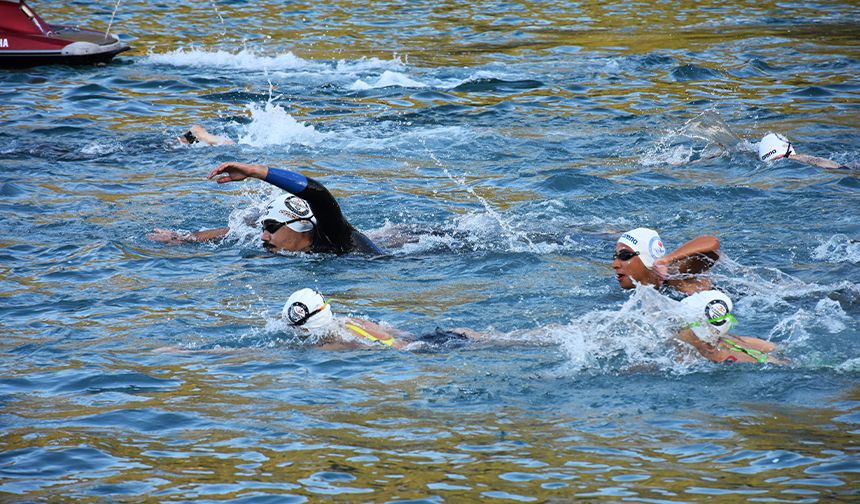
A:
x,y
496,150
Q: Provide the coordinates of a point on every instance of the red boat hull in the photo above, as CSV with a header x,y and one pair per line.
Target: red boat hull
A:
x,y
26,40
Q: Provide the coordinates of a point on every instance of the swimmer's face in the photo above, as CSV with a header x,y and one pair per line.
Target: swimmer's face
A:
x,y
284,239
632,269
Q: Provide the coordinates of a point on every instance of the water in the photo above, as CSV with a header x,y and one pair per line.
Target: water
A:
x,y
496,150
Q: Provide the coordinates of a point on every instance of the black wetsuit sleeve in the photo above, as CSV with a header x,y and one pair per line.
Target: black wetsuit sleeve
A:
x,y
332,227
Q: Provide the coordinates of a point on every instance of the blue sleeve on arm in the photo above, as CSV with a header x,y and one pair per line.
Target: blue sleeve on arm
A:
x,y
287,180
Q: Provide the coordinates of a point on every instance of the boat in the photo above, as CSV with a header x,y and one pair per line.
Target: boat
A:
x,y
27,40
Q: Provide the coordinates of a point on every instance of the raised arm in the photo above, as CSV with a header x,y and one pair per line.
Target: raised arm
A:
x,y
330,220
693,257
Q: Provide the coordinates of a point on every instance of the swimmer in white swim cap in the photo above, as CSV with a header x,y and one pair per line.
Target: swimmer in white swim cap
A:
x,y
197,135
775,146
641,258
307,219
307,311
708,318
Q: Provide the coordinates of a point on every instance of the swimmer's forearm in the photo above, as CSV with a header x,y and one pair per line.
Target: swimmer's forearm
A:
x,y
290,181
705,245
207,235
817,161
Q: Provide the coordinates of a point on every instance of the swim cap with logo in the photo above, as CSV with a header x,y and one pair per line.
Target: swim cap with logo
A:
x,y
708,313
774,146
292,210
308,309
645,241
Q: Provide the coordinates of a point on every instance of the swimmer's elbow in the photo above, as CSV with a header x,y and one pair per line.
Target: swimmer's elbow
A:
x,y
713,242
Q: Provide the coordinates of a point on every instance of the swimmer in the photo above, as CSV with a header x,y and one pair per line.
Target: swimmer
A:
x,y
641,258
307,312
197,135
775,146
708,318
305,219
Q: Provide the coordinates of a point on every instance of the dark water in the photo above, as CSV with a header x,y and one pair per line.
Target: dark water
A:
x,y
496,150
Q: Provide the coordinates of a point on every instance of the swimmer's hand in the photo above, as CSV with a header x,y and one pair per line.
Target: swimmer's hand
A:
x,y
168,236
233,171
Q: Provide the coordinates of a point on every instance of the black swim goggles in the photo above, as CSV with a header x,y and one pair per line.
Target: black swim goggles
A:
x,y
298,313
624,255
272,226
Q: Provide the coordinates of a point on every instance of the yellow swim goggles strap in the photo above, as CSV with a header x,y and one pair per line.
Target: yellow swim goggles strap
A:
x,y
367,335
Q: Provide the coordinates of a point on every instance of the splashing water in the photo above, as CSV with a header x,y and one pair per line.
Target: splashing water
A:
x,y
272,125
707,126
839,248
218,13
639,334
512,235
387,79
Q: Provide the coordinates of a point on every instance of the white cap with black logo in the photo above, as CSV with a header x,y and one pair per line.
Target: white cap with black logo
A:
x,y
774,146
291,210
306,308
708,314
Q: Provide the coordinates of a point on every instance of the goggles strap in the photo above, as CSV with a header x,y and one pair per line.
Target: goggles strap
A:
x,y
728,316
758,355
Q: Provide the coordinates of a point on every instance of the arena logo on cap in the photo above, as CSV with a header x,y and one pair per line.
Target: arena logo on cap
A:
x,y
656,247
629,238
769,154
717,309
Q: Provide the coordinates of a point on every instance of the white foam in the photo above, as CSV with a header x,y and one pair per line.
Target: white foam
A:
x,y
796,328
245,59
101,148
388,79
272,125
242,221
253,61
638,334
765,288
838,249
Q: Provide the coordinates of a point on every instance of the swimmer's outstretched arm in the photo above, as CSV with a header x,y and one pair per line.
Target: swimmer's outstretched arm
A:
x,y
695,256
726,351
395,338
198,133
174,237
817,161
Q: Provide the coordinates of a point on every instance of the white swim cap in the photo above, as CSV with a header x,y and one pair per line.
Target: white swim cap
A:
x,y
645,241
774,146
708,313
308,309
291,210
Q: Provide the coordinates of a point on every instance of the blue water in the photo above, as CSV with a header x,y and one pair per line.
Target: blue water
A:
x,y
496,151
